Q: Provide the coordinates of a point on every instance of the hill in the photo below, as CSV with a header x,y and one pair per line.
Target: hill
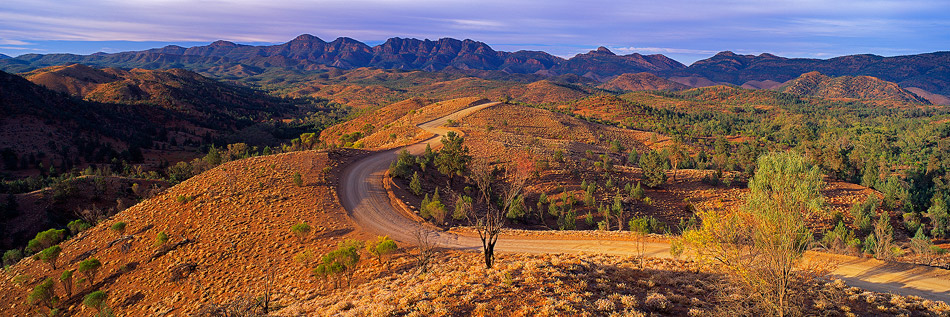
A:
x,y
226,239
42,127
925,71
642,81
860,87
207,102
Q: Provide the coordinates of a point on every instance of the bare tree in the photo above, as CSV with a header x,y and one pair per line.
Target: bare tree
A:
x,y
426,247
489,225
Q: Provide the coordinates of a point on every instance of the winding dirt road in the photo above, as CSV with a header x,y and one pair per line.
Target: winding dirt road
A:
x,y
363,195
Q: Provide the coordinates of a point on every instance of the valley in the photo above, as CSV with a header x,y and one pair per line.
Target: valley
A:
x,y
338,178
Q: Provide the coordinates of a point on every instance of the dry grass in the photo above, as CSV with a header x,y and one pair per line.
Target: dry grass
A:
x,y
578,285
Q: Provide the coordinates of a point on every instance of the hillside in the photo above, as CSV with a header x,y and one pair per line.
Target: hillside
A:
x,y
43,126
229,233
642,81
860,87
205,101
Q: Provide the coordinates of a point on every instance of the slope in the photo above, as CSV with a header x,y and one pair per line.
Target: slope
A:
x,y
641,81
860,87
228,234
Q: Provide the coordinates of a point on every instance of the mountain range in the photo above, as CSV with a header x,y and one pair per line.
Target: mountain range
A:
x,y
928,72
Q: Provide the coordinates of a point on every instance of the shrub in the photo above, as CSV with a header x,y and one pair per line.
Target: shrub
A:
x,y
462,206
49,255
95,300
861,213
382,247
342,261
77,226
184,199
517,210
840,238
46,239
415,185
11,257
161,238
43,295
118,228
301,231
939,217
89,268
647,224
67,280
637,192
298,180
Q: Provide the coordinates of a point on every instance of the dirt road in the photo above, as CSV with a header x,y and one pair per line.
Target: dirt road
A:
x,y
362,194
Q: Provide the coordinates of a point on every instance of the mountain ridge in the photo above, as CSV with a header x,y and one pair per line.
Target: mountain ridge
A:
x,y
927,71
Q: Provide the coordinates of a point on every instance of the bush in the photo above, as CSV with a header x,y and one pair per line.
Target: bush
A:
x,y
647,224
46,239
67,280
89,268
95,300
43,295
840,239
11,257
298,180
382,247
118,228
161,238
77,226
517,209
342,261
462,206
49,255
301,231
403,165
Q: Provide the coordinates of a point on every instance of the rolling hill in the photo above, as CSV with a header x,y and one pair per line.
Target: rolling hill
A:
x,y
642,81
857,87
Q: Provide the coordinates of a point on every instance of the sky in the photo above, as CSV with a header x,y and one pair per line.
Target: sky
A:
x,y
685,30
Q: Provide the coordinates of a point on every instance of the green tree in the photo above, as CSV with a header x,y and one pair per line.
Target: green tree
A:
x,y
761,244
11,257
939,218
96,300
517,209
301,231
43,295
67,280
415,185
46,239
618,211
342,261
49,255
463,205
453,158
89,268
654,169
638,193
382,247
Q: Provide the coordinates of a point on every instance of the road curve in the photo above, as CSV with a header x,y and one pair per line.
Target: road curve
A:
x,y
362,194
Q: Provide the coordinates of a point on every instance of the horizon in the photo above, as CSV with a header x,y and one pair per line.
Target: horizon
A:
x,y
112,47
680,29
